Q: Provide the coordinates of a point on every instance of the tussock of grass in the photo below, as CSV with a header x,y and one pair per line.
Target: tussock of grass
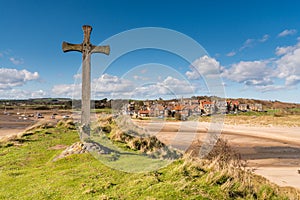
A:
x,y
104,118
41,125
27,172
121,130
67,124
225,168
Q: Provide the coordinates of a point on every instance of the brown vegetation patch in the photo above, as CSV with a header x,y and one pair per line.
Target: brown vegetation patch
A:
x,y
41,125
278,119
67,123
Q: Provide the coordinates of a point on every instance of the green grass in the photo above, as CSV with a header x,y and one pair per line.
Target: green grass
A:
x,y
295,111
102,110
27,172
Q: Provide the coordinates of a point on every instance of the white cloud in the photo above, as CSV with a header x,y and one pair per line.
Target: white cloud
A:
x,y
262,82
249,73
38,94
169,86
230,54
115,87
77,76
12,77
176,86
248,43
270,88
264,38
203,66
22,94
16,61
111,84
268,75
289,66
67,90
284,50
108,84
105,85
287,32
292,80
252,42
1,55
143,78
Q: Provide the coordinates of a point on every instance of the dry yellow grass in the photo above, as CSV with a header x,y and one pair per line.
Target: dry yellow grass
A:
x,y
264,120
268,120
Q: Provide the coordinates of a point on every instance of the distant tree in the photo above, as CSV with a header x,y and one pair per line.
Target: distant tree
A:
x,y
68,104
228,107
140,103
104,100
170,113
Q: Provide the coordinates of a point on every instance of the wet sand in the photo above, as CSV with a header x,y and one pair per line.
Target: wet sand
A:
x,y
12,123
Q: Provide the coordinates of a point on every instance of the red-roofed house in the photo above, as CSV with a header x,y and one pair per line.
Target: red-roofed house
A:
x,y
143,113
207,107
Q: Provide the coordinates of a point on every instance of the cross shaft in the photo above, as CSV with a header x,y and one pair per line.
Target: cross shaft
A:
x,y
86,48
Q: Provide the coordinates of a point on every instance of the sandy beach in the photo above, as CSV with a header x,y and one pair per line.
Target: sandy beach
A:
x,y
272,152
13,123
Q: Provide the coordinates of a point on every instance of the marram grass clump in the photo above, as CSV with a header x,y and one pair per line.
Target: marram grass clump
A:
x,y
67,123
122,131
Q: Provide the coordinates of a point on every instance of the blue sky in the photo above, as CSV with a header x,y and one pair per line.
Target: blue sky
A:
x,y
254,44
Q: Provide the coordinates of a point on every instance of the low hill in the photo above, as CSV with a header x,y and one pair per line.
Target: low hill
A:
x,y
269,104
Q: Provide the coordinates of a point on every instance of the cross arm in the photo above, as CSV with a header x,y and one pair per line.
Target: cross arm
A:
x,y
71,47
100,49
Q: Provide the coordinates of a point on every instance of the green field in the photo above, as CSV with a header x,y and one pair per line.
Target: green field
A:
x,y
28,172
102,110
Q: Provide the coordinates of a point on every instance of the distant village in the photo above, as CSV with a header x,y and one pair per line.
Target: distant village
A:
x,y
175,108
186,107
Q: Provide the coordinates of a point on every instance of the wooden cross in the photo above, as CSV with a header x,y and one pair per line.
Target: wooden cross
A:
x,y
86,48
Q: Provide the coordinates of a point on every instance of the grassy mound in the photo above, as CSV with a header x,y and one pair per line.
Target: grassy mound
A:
x,y
27,172
126,134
